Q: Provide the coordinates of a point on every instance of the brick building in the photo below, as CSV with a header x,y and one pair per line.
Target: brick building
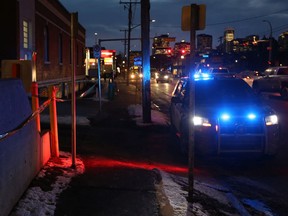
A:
x,y
41,28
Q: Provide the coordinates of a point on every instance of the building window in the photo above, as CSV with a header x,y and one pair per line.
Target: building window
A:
x,y
25,34
60,49
46,44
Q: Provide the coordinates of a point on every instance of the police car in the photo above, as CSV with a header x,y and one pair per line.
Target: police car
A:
x,y
228,117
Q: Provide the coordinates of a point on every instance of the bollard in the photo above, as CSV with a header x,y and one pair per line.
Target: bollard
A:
x,y
111,90
53,122
35,103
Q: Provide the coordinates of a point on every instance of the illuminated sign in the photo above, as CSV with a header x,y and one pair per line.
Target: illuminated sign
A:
x,y
108,61
138,61
107,53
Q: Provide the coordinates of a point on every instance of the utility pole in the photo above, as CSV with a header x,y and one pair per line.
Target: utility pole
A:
x,y
270,42
129,35
125,50
125,41
145,44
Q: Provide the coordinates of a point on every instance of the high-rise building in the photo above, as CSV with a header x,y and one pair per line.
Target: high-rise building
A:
x,y
181,48
161,45
229,35
283,41
204,42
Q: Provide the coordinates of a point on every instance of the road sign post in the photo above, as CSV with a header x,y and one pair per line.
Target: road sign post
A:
x,y
97,51
193,18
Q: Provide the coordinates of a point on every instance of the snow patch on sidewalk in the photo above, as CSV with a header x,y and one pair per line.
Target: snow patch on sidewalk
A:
x,y
41,201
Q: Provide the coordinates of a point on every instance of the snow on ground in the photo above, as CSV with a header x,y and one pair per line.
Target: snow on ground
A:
x,y
40,202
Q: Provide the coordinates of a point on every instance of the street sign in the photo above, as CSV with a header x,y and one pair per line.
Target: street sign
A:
x,y
138,61
97,51
200,17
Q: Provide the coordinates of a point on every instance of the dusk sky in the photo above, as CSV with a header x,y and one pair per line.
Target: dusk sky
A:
x,y
108,18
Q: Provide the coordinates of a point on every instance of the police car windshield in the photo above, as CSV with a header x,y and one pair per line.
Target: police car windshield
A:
x,y
219,91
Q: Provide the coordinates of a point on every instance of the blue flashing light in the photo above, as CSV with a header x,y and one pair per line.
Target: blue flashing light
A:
x,y
202,76
197,76
251,116
205,75
225,117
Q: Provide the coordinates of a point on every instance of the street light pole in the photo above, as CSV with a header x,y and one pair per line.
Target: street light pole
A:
x,y
96,42
129,37
270,41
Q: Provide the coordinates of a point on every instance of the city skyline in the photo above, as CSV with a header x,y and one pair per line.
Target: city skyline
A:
x,y
110,19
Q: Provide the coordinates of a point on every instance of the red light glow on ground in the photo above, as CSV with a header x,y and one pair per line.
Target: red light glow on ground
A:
x,y
110,163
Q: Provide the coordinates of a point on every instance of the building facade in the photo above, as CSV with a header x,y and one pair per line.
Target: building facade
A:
x,y
204,42
161,45
40,31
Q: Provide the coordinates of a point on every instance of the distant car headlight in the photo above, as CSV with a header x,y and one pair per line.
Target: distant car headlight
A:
x,y
271,120
200,121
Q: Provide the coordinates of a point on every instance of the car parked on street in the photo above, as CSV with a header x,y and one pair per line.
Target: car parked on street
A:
x,y
248,76
275,80
228,118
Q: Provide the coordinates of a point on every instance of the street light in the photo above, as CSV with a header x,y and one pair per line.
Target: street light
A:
x,y
96,42
270,41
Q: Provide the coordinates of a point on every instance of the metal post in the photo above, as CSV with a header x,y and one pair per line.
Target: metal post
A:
x,y
74,32
99,79
194,23
53,122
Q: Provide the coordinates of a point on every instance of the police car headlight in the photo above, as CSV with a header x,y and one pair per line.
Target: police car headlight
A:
x,y
200,121
271,120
